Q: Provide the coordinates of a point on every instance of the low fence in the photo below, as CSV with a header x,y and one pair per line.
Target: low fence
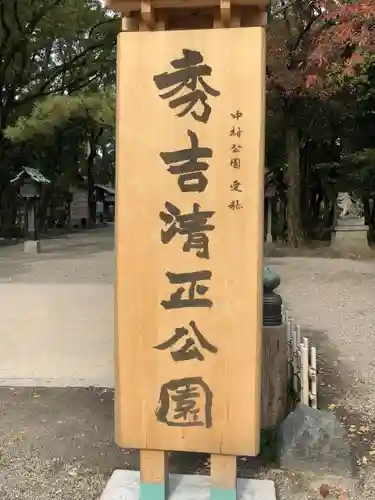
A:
x,y
302,371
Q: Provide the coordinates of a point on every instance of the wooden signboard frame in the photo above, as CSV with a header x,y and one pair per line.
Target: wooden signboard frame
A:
x,y
145,17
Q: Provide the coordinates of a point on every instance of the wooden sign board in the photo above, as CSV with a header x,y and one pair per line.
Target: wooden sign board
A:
x,y
189,222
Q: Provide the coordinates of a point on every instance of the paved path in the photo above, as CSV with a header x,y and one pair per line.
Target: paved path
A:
x,y
57,312
85,257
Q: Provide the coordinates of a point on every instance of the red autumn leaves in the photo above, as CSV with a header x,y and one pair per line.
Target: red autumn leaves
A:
x,y
309,40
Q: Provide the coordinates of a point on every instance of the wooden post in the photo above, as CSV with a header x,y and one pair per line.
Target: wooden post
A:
x,y
156,381
154,475
153,463
274,376
223,477
305,380
224,467
313,376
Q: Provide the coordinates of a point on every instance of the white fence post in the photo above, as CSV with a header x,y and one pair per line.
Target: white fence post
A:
x,y
302,369
305,389
298,332
313,377
289,343
294,356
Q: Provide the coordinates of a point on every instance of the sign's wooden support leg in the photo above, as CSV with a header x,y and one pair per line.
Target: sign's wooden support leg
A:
x,y
224,467
154,475
223,477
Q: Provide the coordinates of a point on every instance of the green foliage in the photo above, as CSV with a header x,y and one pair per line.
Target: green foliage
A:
x,y
59,131
357,170
51,47
91,111
57,75
354,173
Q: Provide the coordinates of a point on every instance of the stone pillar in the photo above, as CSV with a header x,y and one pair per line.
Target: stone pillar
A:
x,y
31,221
32,244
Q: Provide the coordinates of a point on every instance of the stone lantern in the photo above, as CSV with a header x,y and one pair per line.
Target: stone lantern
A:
x,y
30,182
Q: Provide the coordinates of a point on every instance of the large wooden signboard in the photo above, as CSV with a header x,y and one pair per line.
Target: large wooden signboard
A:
x,y
189,239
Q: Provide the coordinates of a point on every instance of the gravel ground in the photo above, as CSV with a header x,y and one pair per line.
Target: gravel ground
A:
x,y
333,301
57,443
85,257
335,298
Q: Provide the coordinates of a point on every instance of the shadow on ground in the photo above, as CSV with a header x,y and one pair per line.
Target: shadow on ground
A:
x,y
334,383
54,435
73,425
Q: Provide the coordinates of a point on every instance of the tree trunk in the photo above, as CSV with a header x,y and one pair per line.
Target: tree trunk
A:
x,y
372,215
8,209
91,182
327,212
293,186
42,208
93,151
90,197
367,211
315,205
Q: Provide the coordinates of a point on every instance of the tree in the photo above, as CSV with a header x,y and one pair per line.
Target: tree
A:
x,y
289,41
303,69
347,38
71,126
48,47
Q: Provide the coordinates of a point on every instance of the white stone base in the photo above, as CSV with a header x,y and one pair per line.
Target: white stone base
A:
x,y
31,246
124,485
350,239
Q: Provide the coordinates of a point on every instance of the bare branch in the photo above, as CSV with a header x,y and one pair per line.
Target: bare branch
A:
x,y
102,23
304,31
45,89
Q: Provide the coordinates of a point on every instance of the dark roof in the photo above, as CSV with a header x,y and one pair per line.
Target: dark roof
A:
x,y
107,189
31,173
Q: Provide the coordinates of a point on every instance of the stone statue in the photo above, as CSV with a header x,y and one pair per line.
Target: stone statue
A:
x,y
349,209
350,233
